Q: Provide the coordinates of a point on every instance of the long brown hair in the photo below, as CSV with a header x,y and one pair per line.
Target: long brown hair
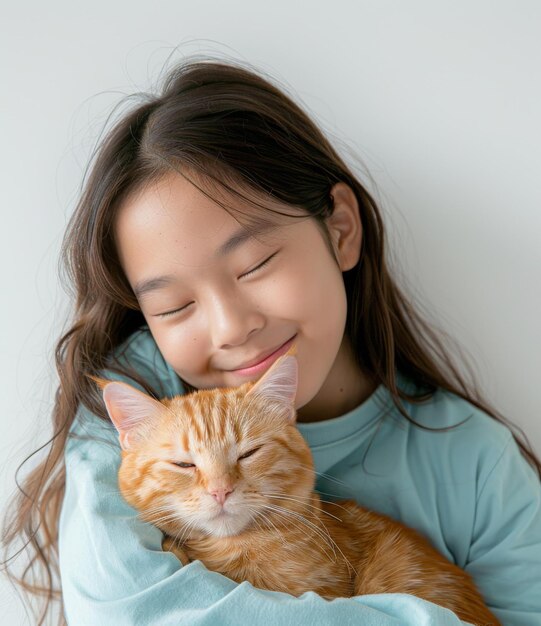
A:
x,y
231,127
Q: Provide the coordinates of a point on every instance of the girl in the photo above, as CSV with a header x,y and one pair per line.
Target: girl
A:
x,y
218,224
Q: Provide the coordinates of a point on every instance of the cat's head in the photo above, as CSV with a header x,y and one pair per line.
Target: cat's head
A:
x,y
214,460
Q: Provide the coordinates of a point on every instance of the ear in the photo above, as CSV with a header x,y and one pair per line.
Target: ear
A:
x,y
345,226
128,409
279,383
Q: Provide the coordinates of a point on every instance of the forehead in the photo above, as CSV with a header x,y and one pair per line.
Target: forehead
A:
x,y
212,420
194,214
173,222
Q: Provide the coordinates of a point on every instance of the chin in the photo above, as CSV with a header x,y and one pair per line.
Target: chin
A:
x,y
227,525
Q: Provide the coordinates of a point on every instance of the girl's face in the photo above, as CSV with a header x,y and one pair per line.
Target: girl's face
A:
x,y
213,308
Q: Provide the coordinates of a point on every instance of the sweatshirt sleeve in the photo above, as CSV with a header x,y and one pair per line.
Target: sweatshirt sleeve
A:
x,y
505,551
114,571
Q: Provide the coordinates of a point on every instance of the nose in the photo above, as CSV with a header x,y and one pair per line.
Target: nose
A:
x,y
221,494
232,319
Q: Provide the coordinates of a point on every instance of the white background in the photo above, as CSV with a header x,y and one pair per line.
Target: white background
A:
x,y
440,100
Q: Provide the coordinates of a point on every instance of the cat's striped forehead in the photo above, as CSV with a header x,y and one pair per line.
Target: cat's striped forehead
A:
x,y
211,416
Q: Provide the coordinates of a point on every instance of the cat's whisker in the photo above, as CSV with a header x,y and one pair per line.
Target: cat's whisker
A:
x,y
253,518
279,495
181,532
283,523
321,534
335,504
176,539
161,509
288,519
308,497
287,512
155,516
334,495
260,521
324,475
268,521
161,513
184,531
164,518
329,477
307,504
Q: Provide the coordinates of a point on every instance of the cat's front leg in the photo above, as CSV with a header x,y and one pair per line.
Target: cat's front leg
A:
x,y
169,545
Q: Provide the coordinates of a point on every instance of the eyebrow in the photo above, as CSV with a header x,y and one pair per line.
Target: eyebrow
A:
x,y
145,286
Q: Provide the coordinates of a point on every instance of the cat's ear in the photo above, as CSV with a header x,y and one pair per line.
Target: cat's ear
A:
x,y
128,409
279,383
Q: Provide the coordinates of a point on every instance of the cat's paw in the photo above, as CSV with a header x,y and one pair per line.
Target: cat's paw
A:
x,y
168,545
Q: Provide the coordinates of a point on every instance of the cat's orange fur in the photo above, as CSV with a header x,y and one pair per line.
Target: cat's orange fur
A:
x,y
275,532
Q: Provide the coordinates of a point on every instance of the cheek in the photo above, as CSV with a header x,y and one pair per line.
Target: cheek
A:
x,y
309,291
181,347
324,311
316,286
187,495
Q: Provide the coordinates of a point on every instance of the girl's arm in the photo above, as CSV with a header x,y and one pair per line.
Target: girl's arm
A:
x,y
114,571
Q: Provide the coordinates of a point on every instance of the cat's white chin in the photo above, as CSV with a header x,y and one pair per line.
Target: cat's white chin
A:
x,y
226,524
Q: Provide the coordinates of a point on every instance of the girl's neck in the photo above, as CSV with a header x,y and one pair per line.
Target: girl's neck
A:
x,y
345,388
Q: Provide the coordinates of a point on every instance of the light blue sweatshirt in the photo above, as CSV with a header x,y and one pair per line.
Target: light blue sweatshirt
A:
x,y
469,490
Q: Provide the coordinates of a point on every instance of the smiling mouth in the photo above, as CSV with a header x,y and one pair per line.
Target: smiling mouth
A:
x,y
267,360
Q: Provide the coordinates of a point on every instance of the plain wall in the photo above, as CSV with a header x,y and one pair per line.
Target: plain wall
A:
x,y
440,100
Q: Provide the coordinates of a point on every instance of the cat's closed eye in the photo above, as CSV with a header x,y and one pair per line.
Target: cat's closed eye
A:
x,y
249,453
183,464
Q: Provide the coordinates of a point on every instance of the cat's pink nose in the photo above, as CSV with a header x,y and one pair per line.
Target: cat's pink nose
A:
x,y
221,494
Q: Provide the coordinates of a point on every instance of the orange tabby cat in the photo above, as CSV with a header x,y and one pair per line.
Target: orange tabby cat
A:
x,y
228,478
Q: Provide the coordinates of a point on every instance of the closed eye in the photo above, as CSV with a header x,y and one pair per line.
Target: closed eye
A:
x,y
173,312
183,464
247,454
168,313
260,265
